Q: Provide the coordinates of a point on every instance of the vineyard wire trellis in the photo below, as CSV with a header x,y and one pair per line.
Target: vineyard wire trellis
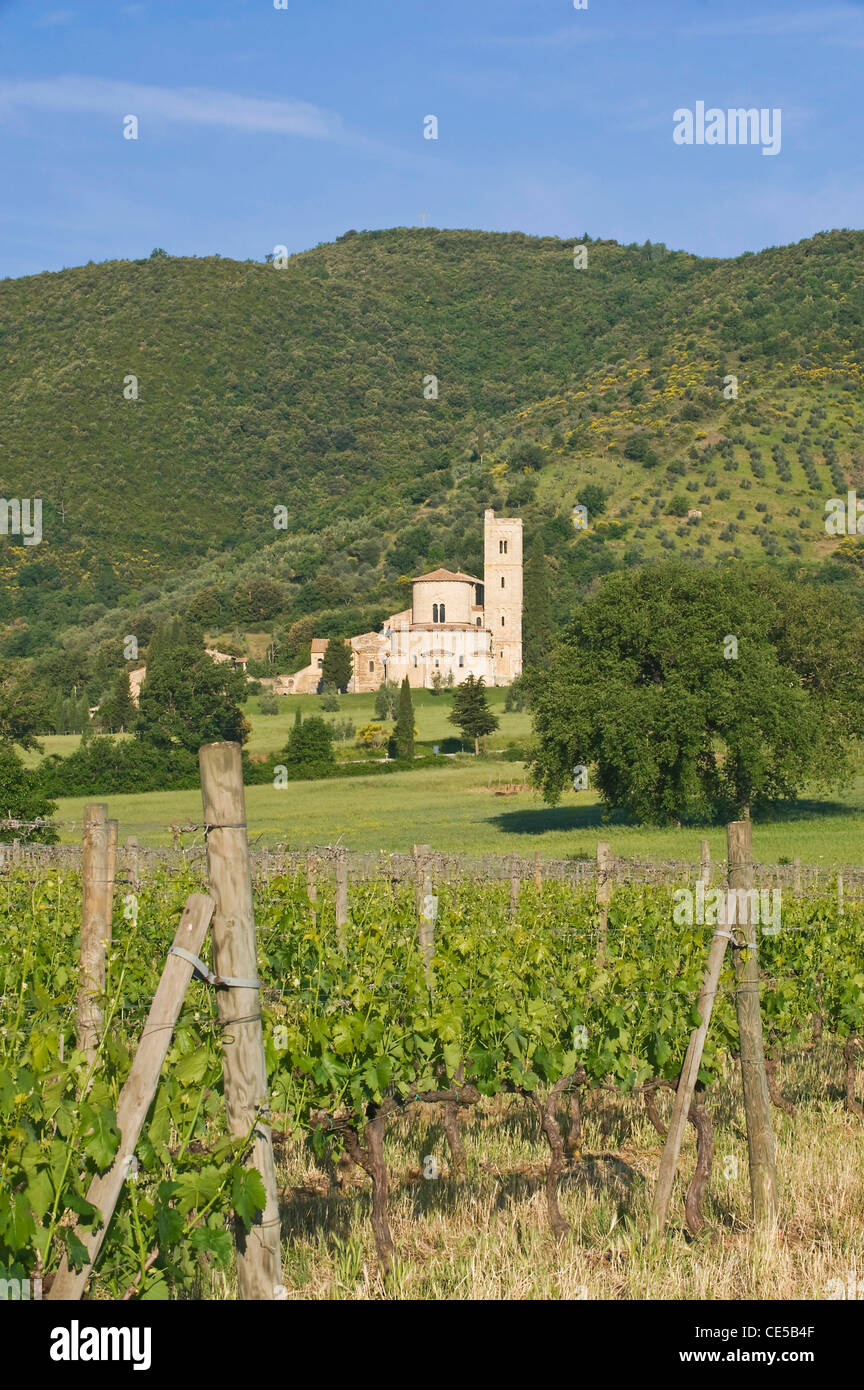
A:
x,y
420,867
364,865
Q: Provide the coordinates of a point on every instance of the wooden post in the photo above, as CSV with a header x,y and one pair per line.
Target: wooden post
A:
x,y
139,1089
687,1082
427,913
341,895
259,1267
839,895
757,1102
706,863
16,851
108,889
538,873
515,884
796,876
421,854
132,860
604,891
312,885
95,930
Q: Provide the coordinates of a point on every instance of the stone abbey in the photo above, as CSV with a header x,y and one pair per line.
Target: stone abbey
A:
x,y
457,625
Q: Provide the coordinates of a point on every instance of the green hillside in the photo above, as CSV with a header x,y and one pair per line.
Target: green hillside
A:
x,y
303,387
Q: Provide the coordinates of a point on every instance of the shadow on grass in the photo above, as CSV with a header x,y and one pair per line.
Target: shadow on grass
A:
x,y
597,817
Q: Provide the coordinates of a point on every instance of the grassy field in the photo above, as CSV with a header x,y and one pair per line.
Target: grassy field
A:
x,y
455,809
488,1237
270,732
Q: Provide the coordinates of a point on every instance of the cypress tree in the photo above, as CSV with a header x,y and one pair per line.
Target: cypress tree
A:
x,y
537,609
403,734
337,664
122,708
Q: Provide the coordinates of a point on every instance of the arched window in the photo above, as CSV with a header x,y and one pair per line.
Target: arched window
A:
x,y
434,612
479,622
461,661
502,619
502,581
371,665
441,612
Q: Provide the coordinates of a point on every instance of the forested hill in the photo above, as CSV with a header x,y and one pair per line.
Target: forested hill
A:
x,y
303,386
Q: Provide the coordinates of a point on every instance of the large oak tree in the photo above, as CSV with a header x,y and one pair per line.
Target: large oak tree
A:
x,y
699,693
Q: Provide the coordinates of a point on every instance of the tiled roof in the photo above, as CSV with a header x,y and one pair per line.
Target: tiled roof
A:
x,y
448,575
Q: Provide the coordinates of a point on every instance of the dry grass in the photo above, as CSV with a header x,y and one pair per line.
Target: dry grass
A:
x,y
487,1236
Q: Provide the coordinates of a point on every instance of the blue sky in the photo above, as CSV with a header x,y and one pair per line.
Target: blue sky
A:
x,y
260,126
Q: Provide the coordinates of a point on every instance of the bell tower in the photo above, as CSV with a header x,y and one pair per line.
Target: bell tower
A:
x,y
502,575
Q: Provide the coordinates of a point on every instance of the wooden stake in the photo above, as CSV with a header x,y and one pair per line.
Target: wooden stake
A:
x,y
426,921
839,895
95,930
132,860
706,862
139,1089
796,876
757,1102
687,1082
259,1267
538,873
312,885
108,902
515,885
341,896
604,891
420,853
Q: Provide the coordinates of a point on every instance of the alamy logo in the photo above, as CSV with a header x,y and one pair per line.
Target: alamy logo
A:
x,y
725,907
738,126
844,518
76,1343
20,1290
21,517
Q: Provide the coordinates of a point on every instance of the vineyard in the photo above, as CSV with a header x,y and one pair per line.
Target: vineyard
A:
x,y
447,1010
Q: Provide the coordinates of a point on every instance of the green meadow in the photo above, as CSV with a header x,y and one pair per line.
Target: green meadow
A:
x,y
455,809
465,807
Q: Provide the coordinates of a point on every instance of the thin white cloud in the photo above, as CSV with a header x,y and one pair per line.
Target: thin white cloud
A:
x,y
188,105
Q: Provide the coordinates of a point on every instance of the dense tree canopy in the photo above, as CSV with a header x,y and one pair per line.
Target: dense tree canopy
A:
x,y
22,709
700,693
187,699
338,664
22,798
310,742
471,714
